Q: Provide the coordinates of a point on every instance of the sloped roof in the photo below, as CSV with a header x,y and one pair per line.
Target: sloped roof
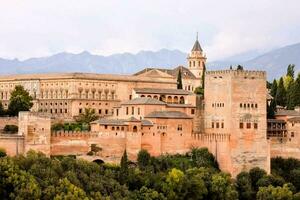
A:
x,y
185,72
105,121
168,114
294,119
288,112
161,91
197,46
143,101
146,122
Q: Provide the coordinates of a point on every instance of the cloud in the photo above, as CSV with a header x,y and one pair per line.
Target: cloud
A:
x,y
39,28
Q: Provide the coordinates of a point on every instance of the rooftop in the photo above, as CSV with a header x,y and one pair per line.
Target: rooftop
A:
x,y
121,122
75,75
161,91
168,114
144,101
287,113
185,72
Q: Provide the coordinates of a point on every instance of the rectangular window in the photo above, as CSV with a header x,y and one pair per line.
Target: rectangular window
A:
x,y
241,125
139,111
105,126
193,111
66,110
132,110
117,112
99,111
255,125
80,110
127,111
292,134
106,111
217,125
213,125
222,125
248,125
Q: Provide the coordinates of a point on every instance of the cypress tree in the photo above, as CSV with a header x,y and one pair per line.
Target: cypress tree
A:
x,y
291,70
289,95
124,171
274,89
295,92
271,109
281,94
179,80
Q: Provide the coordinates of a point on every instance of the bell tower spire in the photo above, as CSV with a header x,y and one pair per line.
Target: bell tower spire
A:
x,y
196,60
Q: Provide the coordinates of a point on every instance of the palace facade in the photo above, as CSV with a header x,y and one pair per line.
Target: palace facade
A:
x,y
147,111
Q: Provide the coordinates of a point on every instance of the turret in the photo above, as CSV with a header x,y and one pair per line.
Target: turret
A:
x,y
197,60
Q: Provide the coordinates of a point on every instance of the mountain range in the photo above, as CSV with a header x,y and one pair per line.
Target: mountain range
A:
x,y
274,62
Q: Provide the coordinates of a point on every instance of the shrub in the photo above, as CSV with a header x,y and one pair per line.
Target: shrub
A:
x,y
10,129
2,153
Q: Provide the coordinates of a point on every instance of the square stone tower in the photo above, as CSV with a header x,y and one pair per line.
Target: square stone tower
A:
x,y
235,104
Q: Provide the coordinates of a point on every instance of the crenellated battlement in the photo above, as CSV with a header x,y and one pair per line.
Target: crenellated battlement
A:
x,y
213,137
236,73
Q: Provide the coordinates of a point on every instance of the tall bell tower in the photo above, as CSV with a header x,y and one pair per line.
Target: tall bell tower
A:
x,y
196,60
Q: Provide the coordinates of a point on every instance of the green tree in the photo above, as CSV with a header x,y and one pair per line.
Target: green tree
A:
x,y
203,158
2,153
274,89
67,191
16,183
222,188
199,90
124,171
143,159
280,97
179,80
147,194
296,91
88,116
290,104
291,70
240,67
2,111
20,100
244,186
274,193
255,174
271,109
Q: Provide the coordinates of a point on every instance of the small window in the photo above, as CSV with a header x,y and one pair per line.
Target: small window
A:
x,y
105,126
292,134
248,125
139,111
217,125
99,111
179,128
80,110
255,125
212,125
106,111
193,111
241,105
256,105
113,128
241,125
132,110
222,125
127,110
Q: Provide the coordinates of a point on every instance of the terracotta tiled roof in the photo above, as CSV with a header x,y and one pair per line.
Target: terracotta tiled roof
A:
x,y
288,112
185,72
294,119
161,91
168,114
143,101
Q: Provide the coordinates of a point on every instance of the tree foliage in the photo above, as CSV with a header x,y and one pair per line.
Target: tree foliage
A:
x,y
87,116
20,100
179,80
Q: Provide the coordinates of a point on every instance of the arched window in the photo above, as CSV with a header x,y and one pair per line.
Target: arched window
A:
x,y
169,100
175,100
181,101
134,129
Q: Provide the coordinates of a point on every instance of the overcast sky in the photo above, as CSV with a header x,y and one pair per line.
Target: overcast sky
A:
x,y
34,28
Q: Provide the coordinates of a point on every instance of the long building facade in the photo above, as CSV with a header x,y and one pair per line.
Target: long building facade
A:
x,y
147,111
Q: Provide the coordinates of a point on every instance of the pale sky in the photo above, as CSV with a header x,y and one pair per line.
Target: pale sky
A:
x,y
34,28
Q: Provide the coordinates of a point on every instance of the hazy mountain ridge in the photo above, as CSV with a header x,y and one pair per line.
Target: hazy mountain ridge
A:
x,y
274,62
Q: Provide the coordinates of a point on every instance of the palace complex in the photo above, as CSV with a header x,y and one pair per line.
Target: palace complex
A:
x,y
147,111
